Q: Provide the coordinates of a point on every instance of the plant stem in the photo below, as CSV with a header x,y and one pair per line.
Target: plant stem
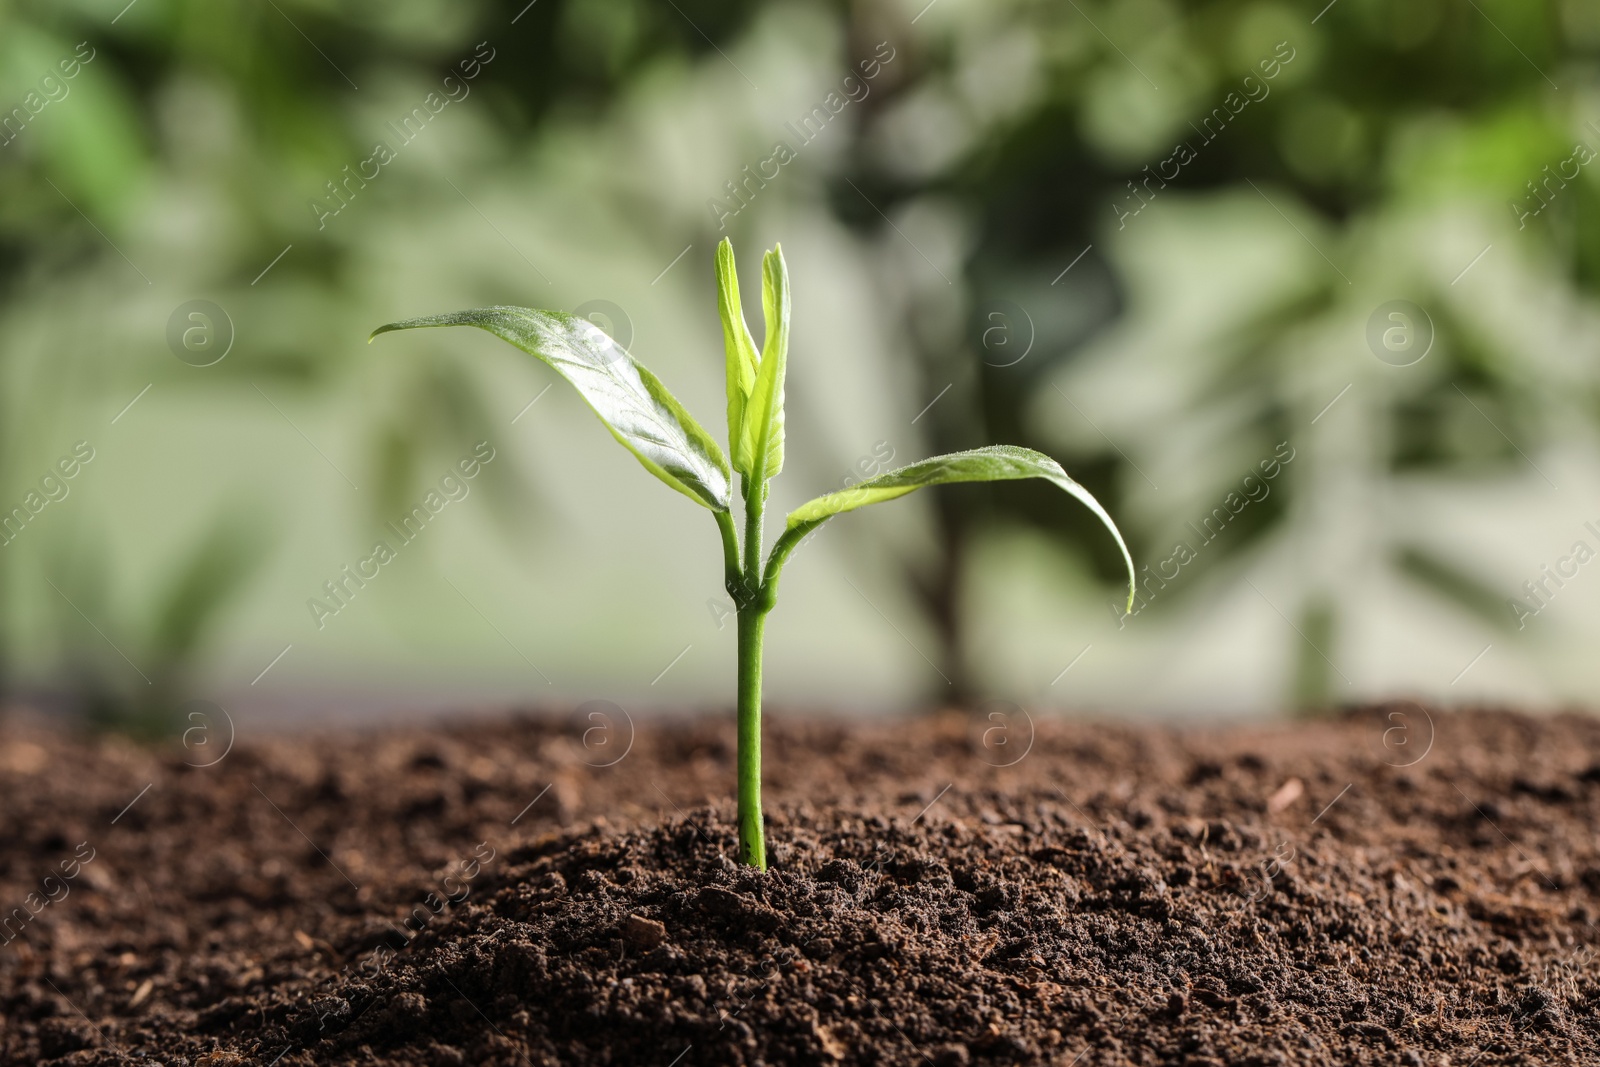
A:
x,y
753,603
755,506
787,542
733,569
752,836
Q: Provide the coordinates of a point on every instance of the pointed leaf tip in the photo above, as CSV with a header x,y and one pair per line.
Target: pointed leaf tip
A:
x,y
739,349
992,464
638,410
762,443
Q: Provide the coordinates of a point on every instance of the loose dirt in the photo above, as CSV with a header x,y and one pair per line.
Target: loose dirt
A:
x,y
1399,886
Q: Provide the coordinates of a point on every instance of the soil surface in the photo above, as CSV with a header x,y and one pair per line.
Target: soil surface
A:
x,y
1393,887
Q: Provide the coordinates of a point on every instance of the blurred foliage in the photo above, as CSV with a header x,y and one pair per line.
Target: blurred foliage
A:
x,y
1393,124
988,179
164,638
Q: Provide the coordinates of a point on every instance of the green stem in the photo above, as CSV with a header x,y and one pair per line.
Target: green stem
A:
x,y
751,599
787,542
755,506
731,567
752,836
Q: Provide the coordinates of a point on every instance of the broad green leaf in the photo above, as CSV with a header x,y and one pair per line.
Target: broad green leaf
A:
x,y
996,463
763,414
740,348
638,410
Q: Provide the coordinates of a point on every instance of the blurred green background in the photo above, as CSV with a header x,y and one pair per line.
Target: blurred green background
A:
x,y
1162,241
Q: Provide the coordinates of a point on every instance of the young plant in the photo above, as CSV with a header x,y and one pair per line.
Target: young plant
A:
x,y
648,421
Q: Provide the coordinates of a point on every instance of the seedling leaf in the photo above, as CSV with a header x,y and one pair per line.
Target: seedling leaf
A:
x,y
741,352
992,464
638,410
763,415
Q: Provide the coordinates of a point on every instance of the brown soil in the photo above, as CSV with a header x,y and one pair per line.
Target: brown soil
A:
x,y
1263,895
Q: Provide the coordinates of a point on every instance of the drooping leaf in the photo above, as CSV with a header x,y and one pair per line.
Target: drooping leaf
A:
x,y
995,463
763,415
740,348
638,410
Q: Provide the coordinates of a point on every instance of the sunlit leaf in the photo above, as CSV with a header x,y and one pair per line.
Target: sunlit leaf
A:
x,y
740,348
996,463
632,402
762,436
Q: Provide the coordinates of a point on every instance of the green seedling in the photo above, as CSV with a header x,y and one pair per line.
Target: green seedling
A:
x,y
649,422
